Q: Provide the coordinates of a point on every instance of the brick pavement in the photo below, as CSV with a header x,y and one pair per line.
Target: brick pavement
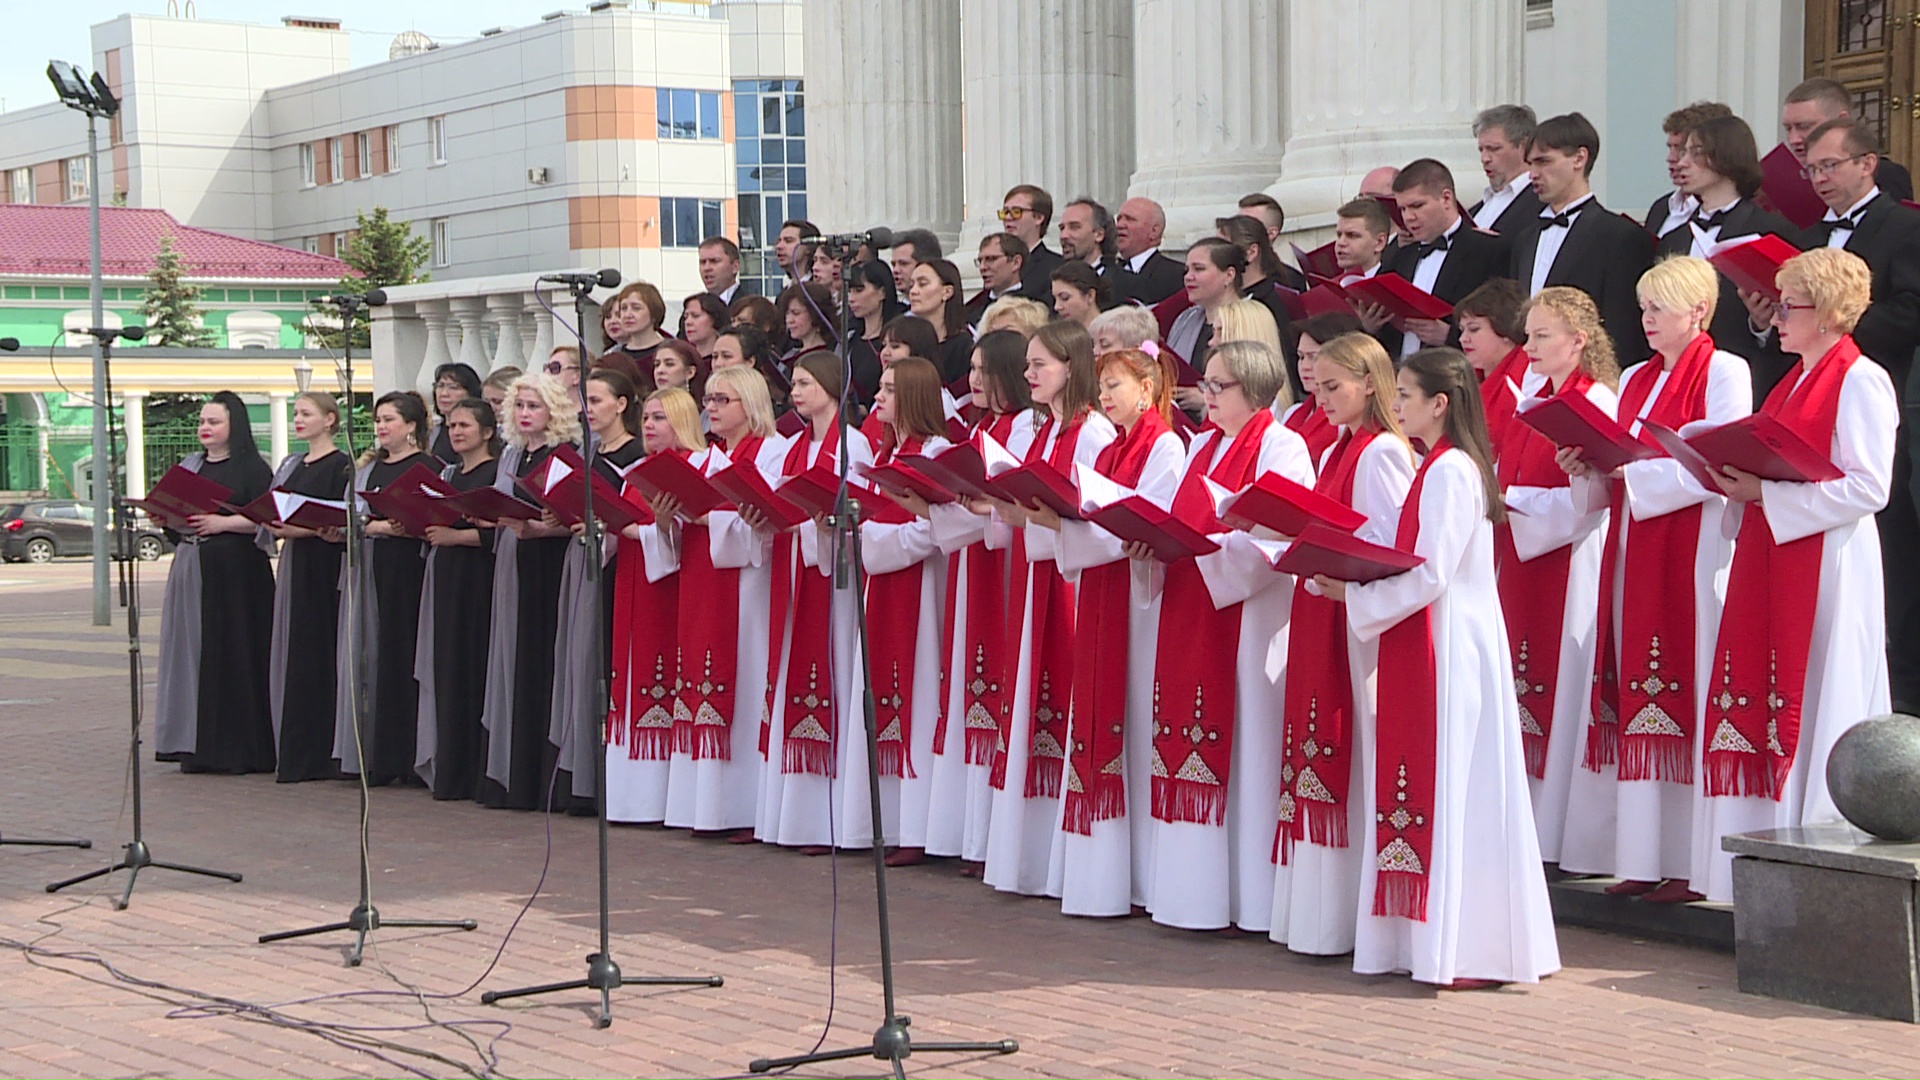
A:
x,y
1084,997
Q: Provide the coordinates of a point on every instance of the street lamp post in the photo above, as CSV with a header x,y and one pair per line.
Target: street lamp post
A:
x,y
91,96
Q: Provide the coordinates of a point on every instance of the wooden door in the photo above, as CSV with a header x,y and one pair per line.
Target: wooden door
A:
x,y
1869,46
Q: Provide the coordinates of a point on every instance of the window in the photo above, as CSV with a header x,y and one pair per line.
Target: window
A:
x,y
687,114
437,139
770,152
340,241
365,148
75,170
686,222
441,254
310,245
393,148
20,186
306,165
337,158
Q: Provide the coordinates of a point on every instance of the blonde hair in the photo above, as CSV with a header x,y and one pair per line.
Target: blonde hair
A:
x,y
1837,282
683,416
563,410
1575,308
1678,282
1247,320
325,403
1131,323
1363,358
1016,313
502,379
1257,367
754,396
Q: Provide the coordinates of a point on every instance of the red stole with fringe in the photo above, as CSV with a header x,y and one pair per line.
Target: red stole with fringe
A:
x,y
893,636
983,693
645,659
1051,646
1019,570
809,717
709,641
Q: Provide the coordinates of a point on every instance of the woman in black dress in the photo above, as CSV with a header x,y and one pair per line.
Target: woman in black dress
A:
x,y
452,383
213,713
934,294
702,317
394,568
871,302
306,601
807,311
529,558
456,618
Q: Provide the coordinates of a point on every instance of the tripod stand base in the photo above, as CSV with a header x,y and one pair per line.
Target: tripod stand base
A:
x,y
364,920
890,1043
136,859
603,975
46,843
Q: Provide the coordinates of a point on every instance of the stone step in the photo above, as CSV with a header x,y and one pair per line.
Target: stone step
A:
x,y
1584,902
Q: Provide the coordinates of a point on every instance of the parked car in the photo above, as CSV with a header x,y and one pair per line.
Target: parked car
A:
x,y
44,529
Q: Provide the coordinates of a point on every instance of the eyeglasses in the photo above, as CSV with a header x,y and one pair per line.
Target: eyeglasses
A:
x,y
1216,386
1014,213
720,400
984,261
1817,169
555,367
1785,309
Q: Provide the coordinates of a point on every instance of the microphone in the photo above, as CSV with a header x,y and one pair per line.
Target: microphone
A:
x,y
9,344
376,298
605,279
345,299
133,333
877,237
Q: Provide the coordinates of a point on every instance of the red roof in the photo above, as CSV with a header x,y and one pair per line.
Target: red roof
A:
x,y
53,241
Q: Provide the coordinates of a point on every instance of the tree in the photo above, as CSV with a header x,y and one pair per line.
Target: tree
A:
x,y
385,252
171,305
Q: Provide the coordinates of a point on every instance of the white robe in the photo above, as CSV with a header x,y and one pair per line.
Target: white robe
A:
x,y
1206,876
1316,892
804,809
1488,916
1109,871
960,800
904,800
1847,665
1546,520
710,794
1020,843
1642,830
636,788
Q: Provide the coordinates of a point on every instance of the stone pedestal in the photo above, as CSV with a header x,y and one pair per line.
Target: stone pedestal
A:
x,y
883,104
1826,915
1049,93
1385,82
1210,107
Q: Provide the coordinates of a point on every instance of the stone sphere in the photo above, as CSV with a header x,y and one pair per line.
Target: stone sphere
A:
x,y
1874,775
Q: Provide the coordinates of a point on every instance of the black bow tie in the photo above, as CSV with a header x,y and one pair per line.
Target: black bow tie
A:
x,y
1713,220
1561,221
1441,243
1849,222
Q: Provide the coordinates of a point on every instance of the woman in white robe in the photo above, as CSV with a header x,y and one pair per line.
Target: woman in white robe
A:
x,y
1452,891
1823,292
1316,870
1032,763
1648,837
1215,810
1102,856
1547,557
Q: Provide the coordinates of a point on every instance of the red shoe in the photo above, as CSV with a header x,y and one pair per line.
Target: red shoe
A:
x,y
1473,984
743,836
812,850
972,869
1674,891
907,856
1631,888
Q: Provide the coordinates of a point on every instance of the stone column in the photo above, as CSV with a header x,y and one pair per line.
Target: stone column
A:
x,y
277,427
1384,82
1747,53
503,310
470,312
531,315
1048,87
883,114
542,336
1212,126
133,412
433,313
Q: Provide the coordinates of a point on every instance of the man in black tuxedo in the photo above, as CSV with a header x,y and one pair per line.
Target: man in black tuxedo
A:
x,y
1026,212
1088,235
1000,262
1576,241
1509,203
1841,163
1818,101
1151,277
1677,207
1448,257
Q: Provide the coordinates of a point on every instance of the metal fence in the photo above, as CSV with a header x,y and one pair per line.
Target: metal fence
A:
x,y
61,466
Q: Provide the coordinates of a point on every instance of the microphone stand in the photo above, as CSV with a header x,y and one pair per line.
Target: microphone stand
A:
x,y
365,918
603,974
891,1042
136,856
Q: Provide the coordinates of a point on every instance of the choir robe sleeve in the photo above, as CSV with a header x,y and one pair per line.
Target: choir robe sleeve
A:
x,y
1084,545
1863,433
1380,484
888,547
1243,567
1548,519
1043,544
1660,486
955,528
660,547
1452,506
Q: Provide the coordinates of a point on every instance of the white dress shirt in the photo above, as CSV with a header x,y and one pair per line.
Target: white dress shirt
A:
x,y
1680,209
1551,239
1425,273
1843,230
1134,264
1493,202
726,295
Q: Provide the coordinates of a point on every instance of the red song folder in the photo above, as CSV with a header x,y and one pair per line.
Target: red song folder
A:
x,y
411,508
903,480
1135,519
1342,557
279,507
1399,296
1786,190
181,494
958,468
1326,298
789,424
1040,483
1320,262
1286,507
1763,446
816,491
743,485
556,484
1676,447
1752,262
1392,206
670,474
1572,420
492,504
